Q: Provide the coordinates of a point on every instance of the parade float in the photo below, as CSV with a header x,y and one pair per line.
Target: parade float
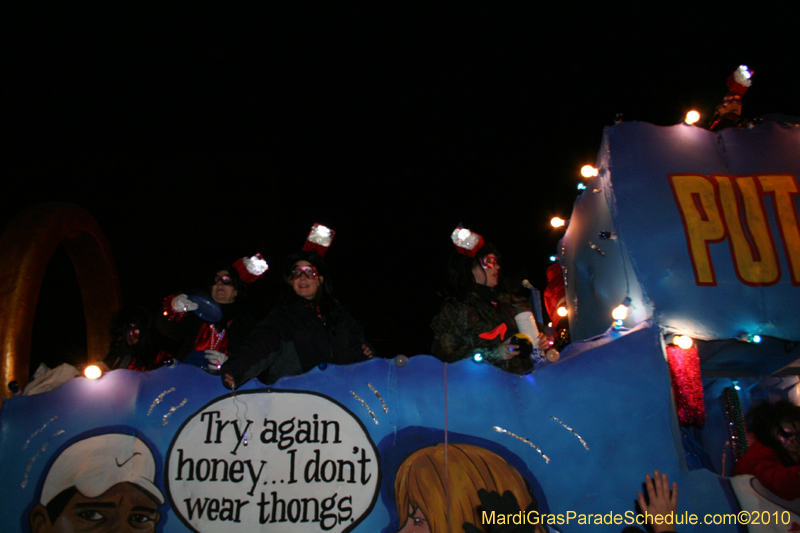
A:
x,y
693,233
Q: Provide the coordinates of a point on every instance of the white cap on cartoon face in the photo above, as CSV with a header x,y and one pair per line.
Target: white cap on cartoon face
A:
x,y
95,464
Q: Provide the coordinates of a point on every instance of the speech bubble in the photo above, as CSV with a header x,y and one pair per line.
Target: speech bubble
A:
x,y
292,461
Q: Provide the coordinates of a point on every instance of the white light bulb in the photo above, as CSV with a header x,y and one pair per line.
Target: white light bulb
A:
x,y
557,222
620,313
683,341
692,117
588,171
92,372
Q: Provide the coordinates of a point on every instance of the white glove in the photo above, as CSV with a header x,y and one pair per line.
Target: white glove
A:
x,y
215,359
181,303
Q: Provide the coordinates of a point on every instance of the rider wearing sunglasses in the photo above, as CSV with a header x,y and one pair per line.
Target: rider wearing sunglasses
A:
x,y
227,290
310,328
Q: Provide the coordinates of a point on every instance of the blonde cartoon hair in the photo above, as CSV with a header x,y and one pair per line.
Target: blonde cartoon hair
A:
x,y
420,483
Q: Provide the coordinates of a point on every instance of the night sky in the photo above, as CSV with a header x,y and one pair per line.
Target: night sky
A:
x,y
201,135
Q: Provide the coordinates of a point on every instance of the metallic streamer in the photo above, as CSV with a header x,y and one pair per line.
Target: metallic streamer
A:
x,y
735,420
725,455
158,400
687,385
385,409
523,439
366,406
596,248
173,409
572,431
30,464
37,432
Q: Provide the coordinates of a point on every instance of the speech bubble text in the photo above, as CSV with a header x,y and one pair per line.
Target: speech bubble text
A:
x,y
272,460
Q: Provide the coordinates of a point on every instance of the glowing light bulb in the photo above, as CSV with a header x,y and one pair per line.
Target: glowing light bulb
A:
x,y
561,311
553,258
754,338
620,313
736,385
692,117
92,372
557,222
581,187
463,234
478,357
683,341
588,171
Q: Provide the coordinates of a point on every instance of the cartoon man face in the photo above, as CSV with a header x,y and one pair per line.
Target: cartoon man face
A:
x,y
123,508
103,483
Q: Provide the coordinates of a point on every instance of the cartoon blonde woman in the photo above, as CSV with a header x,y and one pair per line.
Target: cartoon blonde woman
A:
x,y
421,496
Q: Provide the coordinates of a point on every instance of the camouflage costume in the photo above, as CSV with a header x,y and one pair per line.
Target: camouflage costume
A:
x,y
458,326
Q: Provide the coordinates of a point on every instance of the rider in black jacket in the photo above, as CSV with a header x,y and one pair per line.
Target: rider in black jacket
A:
x,y
310,328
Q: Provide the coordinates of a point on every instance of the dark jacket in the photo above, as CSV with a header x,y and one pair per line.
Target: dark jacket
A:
x,y
293,340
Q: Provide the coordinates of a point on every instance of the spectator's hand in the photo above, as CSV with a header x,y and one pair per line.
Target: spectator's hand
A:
x,y
367,351
508,350
182,304
215,359
662,502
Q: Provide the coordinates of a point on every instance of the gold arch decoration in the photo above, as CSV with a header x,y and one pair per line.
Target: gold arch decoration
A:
x,y
26,247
